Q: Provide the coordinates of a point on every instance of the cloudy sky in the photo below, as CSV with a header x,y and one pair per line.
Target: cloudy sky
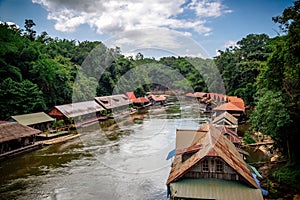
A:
x,y
177,27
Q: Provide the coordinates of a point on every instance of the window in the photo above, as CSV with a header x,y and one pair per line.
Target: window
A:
x,y
205,166
219,166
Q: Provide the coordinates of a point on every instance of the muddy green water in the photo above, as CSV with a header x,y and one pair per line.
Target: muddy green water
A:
x,y
122,159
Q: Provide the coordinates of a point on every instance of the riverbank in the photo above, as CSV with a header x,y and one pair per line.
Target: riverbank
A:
x,y
281,179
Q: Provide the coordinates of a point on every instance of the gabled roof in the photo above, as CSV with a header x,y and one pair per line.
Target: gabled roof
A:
x,y
130,95
233,137
33,118
214,144
76,109
225,117
113,101
229,107
188,138
14,130
239,102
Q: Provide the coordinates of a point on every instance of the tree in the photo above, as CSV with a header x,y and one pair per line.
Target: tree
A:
x,y
30,33
278,86
19,98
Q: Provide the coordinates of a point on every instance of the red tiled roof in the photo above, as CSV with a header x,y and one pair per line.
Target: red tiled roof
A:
x,y
190,95
158,98
199,94
237,101
229,106
130,95
140,100
214,144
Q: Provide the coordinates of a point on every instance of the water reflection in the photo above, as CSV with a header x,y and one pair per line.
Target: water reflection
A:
x,y
116,159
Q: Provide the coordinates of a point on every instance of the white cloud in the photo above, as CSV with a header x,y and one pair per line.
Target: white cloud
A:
x,y
11,24
230,43
227,44
142,22
208,8
157,42
111,16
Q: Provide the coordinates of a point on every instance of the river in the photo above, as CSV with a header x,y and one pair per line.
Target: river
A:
x,y
121,159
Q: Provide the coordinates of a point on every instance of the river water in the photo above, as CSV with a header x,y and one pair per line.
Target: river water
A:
x,y
121,159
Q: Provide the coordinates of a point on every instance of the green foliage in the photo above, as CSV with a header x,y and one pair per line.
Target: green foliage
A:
x,y
19,98
288,174
248,139
278,110
271,114
241,65
58,124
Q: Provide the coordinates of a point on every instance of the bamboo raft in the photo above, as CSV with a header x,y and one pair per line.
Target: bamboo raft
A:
x,y
60,139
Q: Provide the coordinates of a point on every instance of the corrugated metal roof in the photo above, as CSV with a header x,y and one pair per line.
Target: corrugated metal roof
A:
x,y
214,189
225,116
214,144
78,109
33,118
13,130
234,138
113,101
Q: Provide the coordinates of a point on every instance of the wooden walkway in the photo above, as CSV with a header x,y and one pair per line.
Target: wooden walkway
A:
x,y
259,144
60,139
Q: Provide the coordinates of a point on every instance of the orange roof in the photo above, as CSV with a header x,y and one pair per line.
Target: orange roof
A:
x,y
199,94
158,98
140,100
214,144
190,95
130,95
239,102
229,106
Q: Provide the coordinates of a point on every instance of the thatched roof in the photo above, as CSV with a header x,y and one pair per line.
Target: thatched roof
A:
x,y
13,130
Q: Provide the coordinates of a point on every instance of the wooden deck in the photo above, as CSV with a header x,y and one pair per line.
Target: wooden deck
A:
x,y
19,151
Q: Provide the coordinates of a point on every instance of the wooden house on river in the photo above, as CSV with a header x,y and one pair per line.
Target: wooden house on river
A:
x,y
114,104
227,120
81,112
139,102
39,120
208,166
16,138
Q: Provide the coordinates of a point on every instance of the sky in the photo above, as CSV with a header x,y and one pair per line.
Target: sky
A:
x,y
155,28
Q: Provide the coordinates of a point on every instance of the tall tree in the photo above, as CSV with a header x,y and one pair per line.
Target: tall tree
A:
x,y
280,77
30,33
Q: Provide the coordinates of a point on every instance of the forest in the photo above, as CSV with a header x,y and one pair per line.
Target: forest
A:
x,y
38,72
